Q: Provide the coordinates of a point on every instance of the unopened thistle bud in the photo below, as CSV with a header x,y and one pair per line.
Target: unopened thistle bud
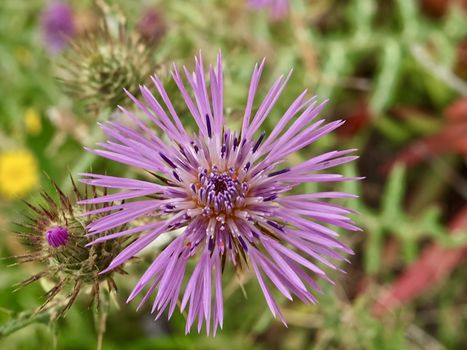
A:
x,y
103,63
57,236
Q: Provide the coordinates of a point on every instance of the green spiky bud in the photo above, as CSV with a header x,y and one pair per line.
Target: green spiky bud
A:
x,y
101,64
57,237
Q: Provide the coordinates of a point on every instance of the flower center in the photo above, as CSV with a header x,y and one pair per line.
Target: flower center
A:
x,y
221,183
220,192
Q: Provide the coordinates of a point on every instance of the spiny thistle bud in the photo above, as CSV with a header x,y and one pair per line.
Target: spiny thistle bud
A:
x,y
103,63
57,236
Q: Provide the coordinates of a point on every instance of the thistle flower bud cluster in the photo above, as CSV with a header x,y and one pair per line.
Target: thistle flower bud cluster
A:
x,y
103,63
57,237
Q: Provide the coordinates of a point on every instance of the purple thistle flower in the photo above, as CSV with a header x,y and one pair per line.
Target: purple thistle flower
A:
x,y
57,236
58,26
227,191
278,9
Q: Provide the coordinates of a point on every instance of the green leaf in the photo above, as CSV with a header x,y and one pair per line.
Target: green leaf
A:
x,y
373,250
457,240
24,320
361,13
409,250
393,196
386,80
334,68
409,17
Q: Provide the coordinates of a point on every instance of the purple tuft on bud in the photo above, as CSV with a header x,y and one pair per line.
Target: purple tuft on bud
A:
x,y
57,236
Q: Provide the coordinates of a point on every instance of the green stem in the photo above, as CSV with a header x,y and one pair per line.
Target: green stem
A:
x,y
23,321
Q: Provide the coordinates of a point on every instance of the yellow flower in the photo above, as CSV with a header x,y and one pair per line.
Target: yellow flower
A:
x,y
18,173
32,121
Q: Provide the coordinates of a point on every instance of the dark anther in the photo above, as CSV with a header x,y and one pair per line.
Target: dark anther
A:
x,y
208,125
275,225
195,147
242,242
283,171
211,244
176,176
255,148
270,198
167,160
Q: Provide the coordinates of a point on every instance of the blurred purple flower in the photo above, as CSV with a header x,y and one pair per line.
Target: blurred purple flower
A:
x,y
278,9
58,26
152,27
226,191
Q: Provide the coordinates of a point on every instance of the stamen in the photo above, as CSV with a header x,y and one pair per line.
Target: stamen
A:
x,y
176,176
211,244
283,171
167,160
242,242
270,198
255,148
275,225
208,125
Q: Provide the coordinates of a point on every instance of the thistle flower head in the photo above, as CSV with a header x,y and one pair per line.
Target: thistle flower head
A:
x,y
57,237
58,26
103,62
228,192
277,9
